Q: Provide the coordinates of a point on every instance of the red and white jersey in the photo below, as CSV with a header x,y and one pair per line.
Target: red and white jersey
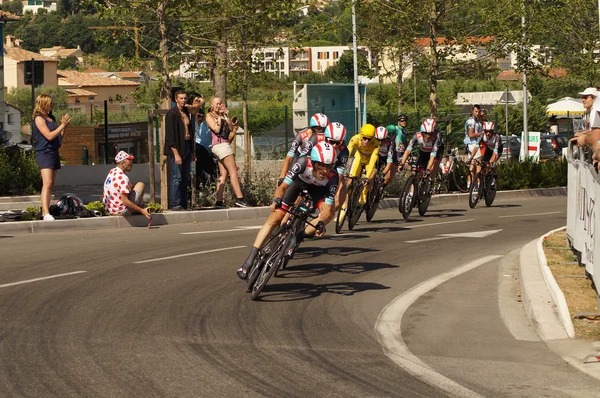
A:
x,y
116,183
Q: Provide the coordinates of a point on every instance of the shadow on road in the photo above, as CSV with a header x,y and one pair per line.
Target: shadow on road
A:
x,y
309,270
505,206
302,291
308,252
344,236
6,237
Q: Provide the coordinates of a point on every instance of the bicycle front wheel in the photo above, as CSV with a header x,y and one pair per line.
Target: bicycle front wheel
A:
x,y
373,201
342,213
425,197
490,194
408,197
460,175
354,207
475,191
271,263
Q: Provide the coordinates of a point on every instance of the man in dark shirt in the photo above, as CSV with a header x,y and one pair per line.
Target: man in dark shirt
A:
x,y
178,147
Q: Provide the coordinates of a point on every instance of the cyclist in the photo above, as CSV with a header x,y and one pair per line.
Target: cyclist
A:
x,y
473,130
364,151
401,134
314,134
431,148
314,174
388,159
334,135
488,146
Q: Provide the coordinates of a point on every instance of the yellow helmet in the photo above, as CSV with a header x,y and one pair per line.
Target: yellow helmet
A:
x,y
368,131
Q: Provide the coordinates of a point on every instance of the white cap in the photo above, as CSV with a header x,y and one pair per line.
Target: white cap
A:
x,y
589,91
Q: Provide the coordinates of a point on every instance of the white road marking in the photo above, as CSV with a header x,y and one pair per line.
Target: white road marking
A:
x,y
188,254
223,230
41,279
439,223
533,214
389,332
478,234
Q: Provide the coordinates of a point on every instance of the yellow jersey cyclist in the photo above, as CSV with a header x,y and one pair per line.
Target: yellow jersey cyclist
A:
x,y
315,174
488,148
431,148
364,153
304,141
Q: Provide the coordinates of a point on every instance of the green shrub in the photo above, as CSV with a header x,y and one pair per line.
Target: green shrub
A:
x,y
27,177
154,207
524,175
33,209
97,205
6,172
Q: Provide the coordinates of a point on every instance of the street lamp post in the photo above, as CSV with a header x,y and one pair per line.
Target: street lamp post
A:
x,y
355,64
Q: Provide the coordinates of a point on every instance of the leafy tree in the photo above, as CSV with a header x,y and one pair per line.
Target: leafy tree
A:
x,y
343,71
21,98
69,62
14,7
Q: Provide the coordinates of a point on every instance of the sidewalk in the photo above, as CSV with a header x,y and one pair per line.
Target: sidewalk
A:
x,y
545,307
87,193
182,217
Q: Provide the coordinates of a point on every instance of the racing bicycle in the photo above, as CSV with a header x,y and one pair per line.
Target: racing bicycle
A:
x,y
454,177
276,251
416,192
484,186
375,194
354,209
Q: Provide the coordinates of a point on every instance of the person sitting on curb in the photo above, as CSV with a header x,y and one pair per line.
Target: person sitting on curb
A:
x,y
119,198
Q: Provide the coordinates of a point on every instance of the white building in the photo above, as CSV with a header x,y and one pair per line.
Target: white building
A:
x,y
11,126
35,5
193,66
273,60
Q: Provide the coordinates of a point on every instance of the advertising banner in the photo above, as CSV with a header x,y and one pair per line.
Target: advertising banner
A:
x,y
533,148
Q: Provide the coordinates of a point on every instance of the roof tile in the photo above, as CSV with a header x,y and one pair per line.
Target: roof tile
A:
x,y
90,80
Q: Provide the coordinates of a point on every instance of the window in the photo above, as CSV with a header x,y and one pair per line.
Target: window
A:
x,y
10,119
336,55
327,54
327,66
318,66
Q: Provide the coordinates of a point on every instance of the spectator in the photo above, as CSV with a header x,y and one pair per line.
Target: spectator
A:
x,y
206,167
223,132
473,130
47,136
119,198
591,135
178,147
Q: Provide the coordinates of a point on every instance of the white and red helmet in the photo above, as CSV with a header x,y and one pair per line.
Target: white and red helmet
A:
x,y
428,126
488,126
323,153
335,131
319,120
380,133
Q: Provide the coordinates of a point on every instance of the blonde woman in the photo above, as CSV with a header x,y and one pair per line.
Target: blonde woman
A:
x,y
223,132
48,136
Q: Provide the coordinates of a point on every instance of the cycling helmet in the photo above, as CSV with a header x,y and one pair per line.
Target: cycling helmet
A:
x,y
428,126
368,131
68,204
323,153
391,129
381,133
318,120
488,126
402,116
335,131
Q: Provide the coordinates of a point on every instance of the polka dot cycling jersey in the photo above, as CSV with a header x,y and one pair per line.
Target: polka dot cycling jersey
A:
x,y
116,183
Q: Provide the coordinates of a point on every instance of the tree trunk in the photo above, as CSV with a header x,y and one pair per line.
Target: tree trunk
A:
x,y
434,61
165,88
247,137
219,71
399,85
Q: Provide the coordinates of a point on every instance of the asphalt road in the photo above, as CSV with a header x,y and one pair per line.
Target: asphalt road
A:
x,y
160,313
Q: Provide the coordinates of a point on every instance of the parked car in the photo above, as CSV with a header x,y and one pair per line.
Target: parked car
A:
x,y
557,141
513,147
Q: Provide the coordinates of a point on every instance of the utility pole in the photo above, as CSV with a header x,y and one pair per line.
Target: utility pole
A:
x,y
355,62
525,143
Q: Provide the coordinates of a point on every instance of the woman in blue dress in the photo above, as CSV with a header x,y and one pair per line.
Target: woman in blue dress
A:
x,y
48,136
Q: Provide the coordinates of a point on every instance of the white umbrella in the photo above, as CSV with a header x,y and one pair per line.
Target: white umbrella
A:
x,y
566,106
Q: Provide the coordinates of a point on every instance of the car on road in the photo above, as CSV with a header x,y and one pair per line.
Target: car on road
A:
x,y
513,147
550,146
556,141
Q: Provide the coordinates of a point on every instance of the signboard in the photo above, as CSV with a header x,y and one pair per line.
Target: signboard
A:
x,y
507,97
124,131
38,68
533,147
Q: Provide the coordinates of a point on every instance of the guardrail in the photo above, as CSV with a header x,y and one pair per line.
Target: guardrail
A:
x,y
582,217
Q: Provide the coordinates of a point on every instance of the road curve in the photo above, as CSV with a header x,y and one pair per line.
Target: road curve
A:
x,y
156,312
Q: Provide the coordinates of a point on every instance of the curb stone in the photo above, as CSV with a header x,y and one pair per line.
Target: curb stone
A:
x,y
545,315
170,218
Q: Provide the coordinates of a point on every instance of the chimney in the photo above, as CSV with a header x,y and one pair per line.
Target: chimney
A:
x,y
10,41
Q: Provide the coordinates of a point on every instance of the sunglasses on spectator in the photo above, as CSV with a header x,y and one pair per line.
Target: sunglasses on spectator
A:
x,y
585,97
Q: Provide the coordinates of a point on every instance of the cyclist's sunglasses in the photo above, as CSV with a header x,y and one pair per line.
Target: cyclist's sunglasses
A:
x,y
402,120
332,142
320,165
362,137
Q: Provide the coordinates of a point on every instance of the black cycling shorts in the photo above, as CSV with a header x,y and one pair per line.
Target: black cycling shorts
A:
x,y
424,157
317,193
487,155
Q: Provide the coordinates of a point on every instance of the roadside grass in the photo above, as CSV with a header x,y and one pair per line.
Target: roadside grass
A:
x,y
578,291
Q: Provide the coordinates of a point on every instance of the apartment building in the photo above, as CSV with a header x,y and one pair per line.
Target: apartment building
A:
x,y
35,5
273,60
325,57
299,61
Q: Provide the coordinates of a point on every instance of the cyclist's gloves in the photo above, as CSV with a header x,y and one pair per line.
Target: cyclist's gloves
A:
x,y
279,181
277,202
468,161
320,227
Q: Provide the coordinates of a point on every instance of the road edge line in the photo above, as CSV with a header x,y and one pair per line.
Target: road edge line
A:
x,y
389,331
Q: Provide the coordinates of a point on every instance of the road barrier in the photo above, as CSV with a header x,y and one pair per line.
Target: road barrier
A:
x,y
582,218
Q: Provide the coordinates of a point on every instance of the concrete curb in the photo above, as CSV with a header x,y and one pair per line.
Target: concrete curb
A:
x,y
456,198
167,218
557,295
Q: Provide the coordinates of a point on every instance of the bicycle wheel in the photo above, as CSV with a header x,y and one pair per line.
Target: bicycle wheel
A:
x,y
374,198
475,191
407,200
425,197
271,263
354,207
460,175
268,248
490,188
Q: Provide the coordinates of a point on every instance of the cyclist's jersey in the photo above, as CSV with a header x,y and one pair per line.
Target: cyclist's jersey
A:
x,y
341,159
298,143
311,142
387,150
492,143
400,139
432,147
302,170
365,152
474,124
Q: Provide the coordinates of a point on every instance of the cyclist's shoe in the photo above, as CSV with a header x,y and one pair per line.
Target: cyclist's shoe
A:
x,y
242,272
363,197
